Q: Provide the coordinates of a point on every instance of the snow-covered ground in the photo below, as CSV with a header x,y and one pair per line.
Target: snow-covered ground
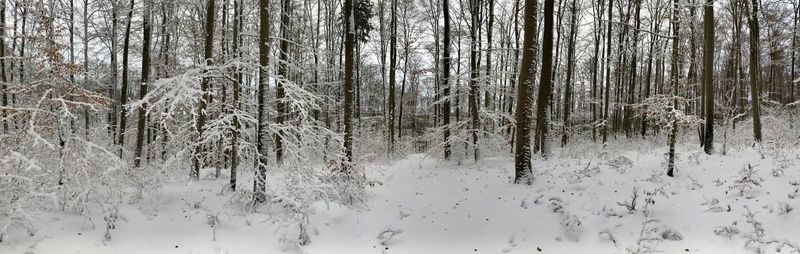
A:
x,y
578,204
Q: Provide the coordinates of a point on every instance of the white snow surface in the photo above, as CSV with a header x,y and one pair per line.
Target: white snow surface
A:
x,y
423,205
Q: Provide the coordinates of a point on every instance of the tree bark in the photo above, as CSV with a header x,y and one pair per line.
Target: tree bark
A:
x,y
523,114
446,79
283,77
755,70
143,84
123,98
708,75
259,186
570,68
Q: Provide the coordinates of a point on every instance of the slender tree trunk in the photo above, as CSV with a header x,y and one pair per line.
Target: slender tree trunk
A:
x,y
446,79
392,74
595,67
283,77
3,80
473,81
755,70
608,72
675,72
112,93
123,98
198,157
570,68
259,186
234,150
708,75
349,64
545,81
146,27
523,112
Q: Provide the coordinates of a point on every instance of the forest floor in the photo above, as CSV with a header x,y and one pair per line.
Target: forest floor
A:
x,y
421,205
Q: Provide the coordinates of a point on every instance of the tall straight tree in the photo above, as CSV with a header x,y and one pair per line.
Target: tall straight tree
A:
x,y
349,77
708,75
570,68
392,74
140,126
608,72
283,77
675,72
123,97
259,185
3,80
446,79
523,112
755,69
204,87
237,81
473,74
545,80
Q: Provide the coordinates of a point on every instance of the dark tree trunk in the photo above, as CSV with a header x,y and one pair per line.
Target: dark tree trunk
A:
x,y
349,77
234,152
392,74
446,79
708,75
283,76
473,74
140,128
570,68
523,114
545,80
755,70
608,72
259,186
123,98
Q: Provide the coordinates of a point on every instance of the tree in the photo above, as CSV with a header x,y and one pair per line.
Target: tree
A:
x,y
3,80
446,79
675,72
708,75
259,185
123,97
349,77
234,150
755,70
473,74
137,158
283,76
570,68
202,104
608,72
392,74
523,112
545,81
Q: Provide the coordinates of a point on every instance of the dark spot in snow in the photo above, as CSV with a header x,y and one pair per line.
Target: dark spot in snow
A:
x,y
686,250
539,249
475,250
487,219
79,233
572,193
386,248
176,246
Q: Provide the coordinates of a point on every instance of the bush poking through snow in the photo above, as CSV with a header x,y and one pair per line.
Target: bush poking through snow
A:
x,y
727,231
620,163
111,216
569,222
748,182
649,238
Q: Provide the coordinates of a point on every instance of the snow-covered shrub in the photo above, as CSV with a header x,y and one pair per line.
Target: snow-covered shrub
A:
x,y
569,222
748,181
650,235
620,163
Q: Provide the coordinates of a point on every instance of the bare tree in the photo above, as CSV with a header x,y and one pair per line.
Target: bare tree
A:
x,y
523,112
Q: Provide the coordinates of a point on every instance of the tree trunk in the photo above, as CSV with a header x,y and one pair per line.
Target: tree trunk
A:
x,y
570,68
259,186
349,55
143,84
446,79
675,72
473,81
392,74
523,114
283,77
608,72
755,70
234,150
708,75
123,98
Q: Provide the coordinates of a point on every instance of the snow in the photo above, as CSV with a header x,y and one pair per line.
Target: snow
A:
x,y
423,205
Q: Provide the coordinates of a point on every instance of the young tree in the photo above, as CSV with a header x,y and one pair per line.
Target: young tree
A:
x,y
259,185
473,74
137,157
523,112
197,161
708,75
675,72
755,70
608,72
